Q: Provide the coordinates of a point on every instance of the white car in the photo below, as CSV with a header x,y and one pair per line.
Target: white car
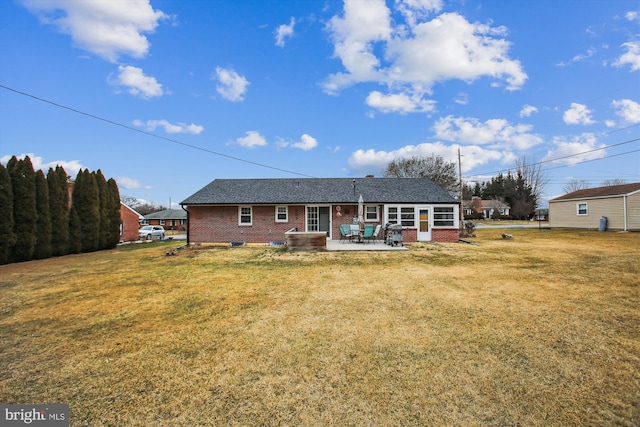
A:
x,y
149,232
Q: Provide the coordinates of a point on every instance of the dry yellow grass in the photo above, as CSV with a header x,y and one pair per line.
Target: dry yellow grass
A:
x,y
543,329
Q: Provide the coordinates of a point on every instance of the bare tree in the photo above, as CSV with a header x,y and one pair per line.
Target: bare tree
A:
x,y
533,175
575,185
434,167
612,182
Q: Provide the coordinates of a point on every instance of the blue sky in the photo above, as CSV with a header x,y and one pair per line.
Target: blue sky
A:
x,y
165,96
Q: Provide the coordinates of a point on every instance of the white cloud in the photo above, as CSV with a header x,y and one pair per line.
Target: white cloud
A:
x,y
284,32
151,125
105,28
231,85
497,133
139,84
372,161
528,110
399,103
131,183
631,15
253,139
627,109
578,114
71,167
415,56
306,143
632,57
576,150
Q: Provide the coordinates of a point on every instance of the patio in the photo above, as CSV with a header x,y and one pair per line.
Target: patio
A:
x,y
379,245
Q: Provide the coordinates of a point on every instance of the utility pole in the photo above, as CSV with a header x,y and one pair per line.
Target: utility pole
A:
x,y
461,213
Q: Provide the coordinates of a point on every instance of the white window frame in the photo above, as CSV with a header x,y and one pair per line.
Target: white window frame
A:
x,y
586,209
241,214
163,221
396,216
375,217
437,217
286,213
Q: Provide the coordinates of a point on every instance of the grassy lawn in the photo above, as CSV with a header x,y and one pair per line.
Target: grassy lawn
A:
x,y
543,329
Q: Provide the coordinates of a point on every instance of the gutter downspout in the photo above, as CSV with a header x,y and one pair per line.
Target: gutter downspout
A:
x,y
624,207
188,223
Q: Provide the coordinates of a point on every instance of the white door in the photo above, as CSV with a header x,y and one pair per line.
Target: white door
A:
x,y
424,224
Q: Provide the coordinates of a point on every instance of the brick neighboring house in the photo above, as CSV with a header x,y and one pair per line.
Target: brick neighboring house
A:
x,y
262,210
130,223
485,207
584,208
170,219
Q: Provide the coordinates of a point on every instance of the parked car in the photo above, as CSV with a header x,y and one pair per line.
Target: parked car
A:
x,y
149,232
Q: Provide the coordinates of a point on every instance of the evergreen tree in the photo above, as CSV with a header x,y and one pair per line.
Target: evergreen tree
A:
x,y
86,202
24,208
74,245
7,236
43,229
103,209
59,210
114,213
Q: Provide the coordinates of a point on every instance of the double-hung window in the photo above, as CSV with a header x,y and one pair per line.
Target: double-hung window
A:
x,y
371,213
245,215
282,214
443,216
403,215
582,209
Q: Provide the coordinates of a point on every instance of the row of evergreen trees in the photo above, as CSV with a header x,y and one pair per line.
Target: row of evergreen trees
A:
x,y
37,219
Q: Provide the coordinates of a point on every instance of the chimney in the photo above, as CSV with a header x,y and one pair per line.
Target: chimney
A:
x,y
370,176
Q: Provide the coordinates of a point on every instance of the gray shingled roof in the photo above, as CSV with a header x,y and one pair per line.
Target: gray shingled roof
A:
x,y
168,214
319,190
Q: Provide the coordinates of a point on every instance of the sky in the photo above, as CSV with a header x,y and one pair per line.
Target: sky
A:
x,y
165,96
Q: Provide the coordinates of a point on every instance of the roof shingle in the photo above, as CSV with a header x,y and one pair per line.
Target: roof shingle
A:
x,y
319,190
611,190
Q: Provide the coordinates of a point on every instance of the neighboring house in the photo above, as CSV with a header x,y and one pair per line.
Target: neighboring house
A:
x,y
170,219
485,207
262,210
620,204
541,214
130,223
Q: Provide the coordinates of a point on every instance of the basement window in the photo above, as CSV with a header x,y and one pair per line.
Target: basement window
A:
x,y
245,215
582,209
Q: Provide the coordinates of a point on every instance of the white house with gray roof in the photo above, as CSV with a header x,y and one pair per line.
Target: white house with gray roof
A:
x,y
262,210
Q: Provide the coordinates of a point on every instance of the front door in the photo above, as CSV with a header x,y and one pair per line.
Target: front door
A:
x,y
319,219
424,226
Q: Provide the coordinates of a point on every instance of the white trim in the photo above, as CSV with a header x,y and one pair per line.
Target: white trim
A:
x,y
240,215
586,208
286,213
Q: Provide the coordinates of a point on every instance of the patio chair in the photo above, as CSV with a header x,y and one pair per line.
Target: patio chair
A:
x,y
345,232
374,237
368,232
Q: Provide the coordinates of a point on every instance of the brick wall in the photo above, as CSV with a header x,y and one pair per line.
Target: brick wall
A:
x,y
451,235
219,224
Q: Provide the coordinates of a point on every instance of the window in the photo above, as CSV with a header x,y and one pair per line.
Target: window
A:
x,y
245,216
582,209
371,213
443,217
282,214
162,222
408,217
393,215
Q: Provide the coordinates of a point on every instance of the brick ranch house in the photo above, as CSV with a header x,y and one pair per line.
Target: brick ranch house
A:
x,y
262,210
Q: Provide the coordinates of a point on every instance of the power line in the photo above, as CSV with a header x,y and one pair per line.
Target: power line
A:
x,y
175,141
569,156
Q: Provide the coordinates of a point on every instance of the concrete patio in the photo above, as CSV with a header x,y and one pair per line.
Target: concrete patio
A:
x,y
345,245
